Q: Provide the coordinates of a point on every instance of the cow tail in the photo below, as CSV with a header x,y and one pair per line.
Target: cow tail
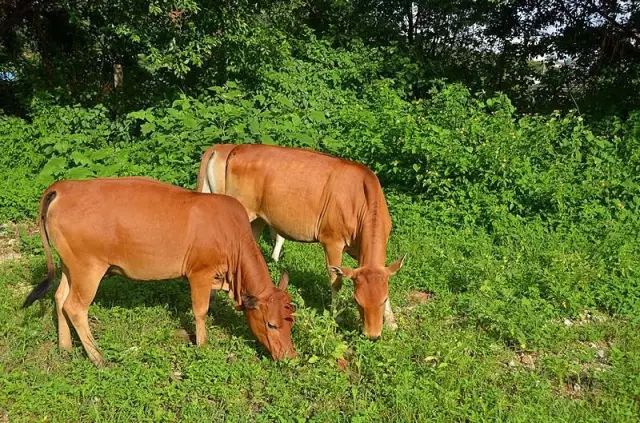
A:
x,y
44,286
204,163
225,175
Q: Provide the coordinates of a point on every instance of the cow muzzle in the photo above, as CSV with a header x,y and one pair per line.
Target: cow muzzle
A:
x,y
285,353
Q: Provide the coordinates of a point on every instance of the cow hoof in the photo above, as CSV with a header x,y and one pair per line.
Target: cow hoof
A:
x,y
65,349
98,362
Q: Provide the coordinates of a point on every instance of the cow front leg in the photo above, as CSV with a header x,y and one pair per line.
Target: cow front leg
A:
x,y
200,285
389,318
333,257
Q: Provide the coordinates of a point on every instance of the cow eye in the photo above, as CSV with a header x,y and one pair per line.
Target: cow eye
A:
x,y
271,326
291,306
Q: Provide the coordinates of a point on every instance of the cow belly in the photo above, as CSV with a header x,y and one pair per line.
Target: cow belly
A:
x,y
294,221
142,274
292,230
295,236
148,268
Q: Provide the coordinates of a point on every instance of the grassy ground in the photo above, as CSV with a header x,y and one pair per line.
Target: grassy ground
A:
x,y
461,353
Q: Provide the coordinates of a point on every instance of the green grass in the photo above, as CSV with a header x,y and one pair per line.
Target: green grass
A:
x,y
513,332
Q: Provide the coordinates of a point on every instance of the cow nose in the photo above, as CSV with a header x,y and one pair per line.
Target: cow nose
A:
x,y
374,338
281,355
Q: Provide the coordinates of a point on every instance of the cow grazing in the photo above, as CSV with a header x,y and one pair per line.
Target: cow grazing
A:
x,y
148,230
312,197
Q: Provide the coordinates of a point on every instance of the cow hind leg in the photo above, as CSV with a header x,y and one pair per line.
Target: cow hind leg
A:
x,y
257,227
277,247
83,286
64,333
200,295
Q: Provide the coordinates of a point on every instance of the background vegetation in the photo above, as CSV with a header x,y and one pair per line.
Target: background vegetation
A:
x,y
506,135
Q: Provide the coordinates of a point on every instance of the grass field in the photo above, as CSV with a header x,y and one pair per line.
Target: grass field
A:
x,y
484,335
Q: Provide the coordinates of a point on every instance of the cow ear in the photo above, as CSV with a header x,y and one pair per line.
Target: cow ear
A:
x,y
284,281
249,302
393,268
344,272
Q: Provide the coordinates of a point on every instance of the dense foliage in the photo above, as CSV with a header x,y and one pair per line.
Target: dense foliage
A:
x,y
472,162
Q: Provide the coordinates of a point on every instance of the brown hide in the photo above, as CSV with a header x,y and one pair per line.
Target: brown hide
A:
x,y
149,230
312,197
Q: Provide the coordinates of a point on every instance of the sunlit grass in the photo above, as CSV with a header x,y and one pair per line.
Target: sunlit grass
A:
x,y
467,349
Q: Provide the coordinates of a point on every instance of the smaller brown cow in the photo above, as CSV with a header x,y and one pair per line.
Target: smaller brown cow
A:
x,y
313,197
148,230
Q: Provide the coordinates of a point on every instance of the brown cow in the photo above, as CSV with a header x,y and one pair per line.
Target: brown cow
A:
x,y
148,230
312,197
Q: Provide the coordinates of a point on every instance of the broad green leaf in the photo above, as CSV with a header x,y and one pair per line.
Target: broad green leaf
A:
x,y
254,126
317,116
79,173
54,165
266,139
307,140
147,127
80,158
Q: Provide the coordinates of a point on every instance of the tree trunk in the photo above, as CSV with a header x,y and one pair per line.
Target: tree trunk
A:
x,y
411,30
118,76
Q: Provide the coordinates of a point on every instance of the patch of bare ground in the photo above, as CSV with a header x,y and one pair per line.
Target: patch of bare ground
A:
x,y
525,359
9,242
528,360
583,381
585,317
578,386
10,239
416,298
572,389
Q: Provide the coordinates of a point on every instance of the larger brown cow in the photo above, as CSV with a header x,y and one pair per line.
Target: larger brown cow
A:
x,y
147,230
313,197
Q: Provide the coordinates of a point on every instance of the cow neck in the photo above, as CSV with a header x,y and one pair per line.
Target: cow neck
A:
x,y
250,276
372,237
372,246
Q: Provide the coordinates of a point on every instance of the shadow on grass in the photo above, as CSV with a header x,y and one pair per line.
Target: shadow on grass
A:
x,y
316,294
173,294
313,288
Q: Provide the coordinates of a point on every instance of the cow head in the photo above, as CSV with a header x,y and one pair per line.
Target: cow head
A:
x,y
270,318
371,292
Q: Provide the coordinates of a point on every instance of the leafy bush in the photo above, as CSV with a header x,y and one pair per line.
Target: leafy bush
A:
x,y
538,208
60,142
